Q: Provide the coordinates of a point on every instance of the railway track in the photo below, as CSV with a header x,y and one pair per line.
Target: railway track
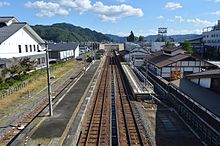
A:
x,y
25,120
97,126
111,120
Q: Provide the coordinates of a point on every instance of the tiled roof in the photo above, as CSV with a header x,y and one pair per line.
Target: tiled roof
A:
x,y
171,48
7,31
160,60
62,46
6,19
209,73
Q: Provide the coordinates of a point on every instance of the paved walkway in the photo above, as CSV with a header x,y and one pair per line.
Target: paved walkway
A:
x,y
54,127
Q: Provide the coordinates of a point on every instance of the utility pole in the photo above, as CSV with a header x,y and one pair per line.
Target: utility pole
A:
x,y
48,81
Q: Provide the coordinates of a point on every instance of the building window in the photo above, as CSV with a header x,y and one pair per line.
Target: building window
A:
x,y
26,48
34,48
43,59
38,50
38,61
19,48
30,48
2,65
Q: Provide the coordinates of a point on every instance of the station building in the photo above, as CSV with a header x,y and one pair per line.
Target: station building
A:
x,y
173,61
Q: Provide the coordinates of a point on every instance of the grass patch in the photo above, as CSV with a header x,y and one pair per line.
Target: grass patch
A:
x,y
15,81
41,142
10,103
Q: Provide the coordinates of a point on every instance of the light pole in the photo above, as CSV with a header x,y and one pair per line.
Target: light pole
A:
x,y
48,81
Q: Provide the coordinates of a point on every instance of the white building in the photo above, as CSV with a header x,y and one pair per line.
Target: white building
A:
x,y
63,51
156,46
174,61
137,56
115,46
211,36
17,40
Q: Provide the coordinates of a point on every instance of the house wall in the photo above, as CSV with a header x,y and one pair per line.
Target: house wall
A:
x,y
54,55
77,52
66,54
186,67
9,48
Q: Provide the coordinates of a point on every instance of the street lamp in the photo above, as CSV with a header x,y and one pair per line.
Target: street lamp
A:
x,y
45,45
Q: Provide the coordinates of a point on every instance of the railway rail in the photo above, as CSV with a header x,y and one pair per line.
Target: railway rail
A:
x,y
25,120
110,119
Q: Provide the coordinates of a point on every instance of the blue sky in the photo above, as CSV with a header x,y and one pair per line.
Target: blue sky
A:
x,y
118,17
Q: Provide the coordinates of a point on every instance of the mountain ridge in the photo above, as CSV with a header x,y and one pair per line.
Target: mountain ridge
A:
x,y
65,32
152,38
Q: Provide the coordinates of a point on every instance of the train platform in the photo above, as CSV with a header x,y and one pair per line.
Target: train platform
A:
x,y
205,99
141,88
53,127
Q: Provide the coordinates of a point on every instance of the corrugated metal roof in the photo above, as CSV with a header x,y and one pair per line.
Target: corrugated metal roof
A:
x,y
62,46
7,31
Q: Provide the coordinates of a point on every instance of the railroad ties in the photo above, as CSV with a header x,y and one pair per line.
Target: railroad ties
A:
x,y
110,119
25,120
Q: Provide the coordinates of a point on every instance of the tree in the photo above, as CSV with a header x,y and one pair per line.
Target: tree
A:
x,y
15,70
131,37
26,64
4,72
141,38
187,47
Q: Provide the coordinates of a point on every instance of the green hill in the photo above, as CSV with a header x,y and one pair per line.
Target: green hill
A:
x,y
63,32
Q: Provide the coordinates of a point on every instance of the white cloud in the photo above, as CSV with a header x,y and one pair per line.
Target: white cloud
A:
x,y
48,9
105,12
121,1
198,21
113,13
2,4
216,1
173,5
160,17
79,5
216,13
180,19
184,31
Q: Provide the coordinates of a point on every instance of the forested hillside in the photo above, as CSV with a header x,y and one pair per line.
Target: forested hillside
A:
x,y
63,32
